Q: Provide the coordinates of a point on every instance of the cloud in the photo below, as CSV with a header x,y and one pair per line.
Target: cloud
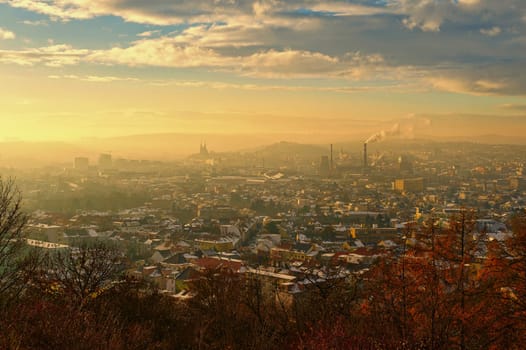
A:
x,y
468,2
218,85
289,63
494,31
339,8
430,15
495,79
51,56
160,52
93,78
514,107
148,34
424,15
176,52
35,23
64,10
222,35
386,42
152,12
304,24
6,34
185,51
161,12
307,64
469,86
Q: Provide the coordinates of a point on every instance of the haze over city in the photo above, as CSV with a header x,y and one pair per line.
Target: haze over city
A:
x,y
262,174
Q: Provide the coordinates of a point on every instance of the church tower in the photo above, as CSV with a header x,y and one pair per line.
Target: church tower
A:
x,y
203,151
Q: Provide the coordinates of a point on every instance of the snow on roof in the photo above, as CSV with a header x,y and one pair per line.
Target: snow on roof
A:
x,y
45,245
387,244
271,274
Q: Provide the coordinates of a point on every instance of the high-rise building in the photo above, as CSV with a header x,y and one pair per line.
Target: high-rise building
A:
x,y
81,163
405,164
409,185
518,183
105,161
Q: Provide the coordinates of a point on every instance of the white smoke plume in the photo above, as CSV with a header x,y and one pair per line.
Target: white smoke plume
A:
x,y
379,136
405,128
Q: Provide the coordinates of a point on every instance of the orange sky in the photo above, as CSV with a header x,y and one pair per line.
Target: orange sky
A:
x,y
73,69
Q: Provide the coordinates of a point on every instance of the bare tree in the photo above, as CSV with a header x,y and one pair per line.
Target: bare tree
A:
x,y
12,257
83,271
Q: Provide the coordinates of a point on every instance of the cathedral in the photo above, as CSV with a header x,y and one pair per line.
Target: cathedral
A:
x,y
203,151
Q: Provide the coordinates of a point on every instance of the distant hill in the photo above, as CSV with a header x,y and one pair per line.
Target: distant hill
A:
x,y
492,139
170,146
167,146
284,147
175,145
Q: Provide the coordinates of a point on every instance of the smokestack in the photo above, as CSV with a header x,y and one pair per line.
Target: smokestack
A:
x,y
365,164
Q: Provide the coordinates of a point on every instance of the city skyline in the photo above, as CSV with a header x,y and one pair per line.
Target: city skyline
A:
x,y
309,69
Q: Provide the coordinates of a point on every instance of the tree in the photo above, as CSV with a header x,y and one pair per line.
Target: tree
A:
x,y
505,273
272,227
328,233
13,257
82,272
131,315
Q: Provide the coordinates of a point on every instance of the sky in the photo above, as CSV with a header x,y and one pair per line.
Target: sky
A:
x,y
73,69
